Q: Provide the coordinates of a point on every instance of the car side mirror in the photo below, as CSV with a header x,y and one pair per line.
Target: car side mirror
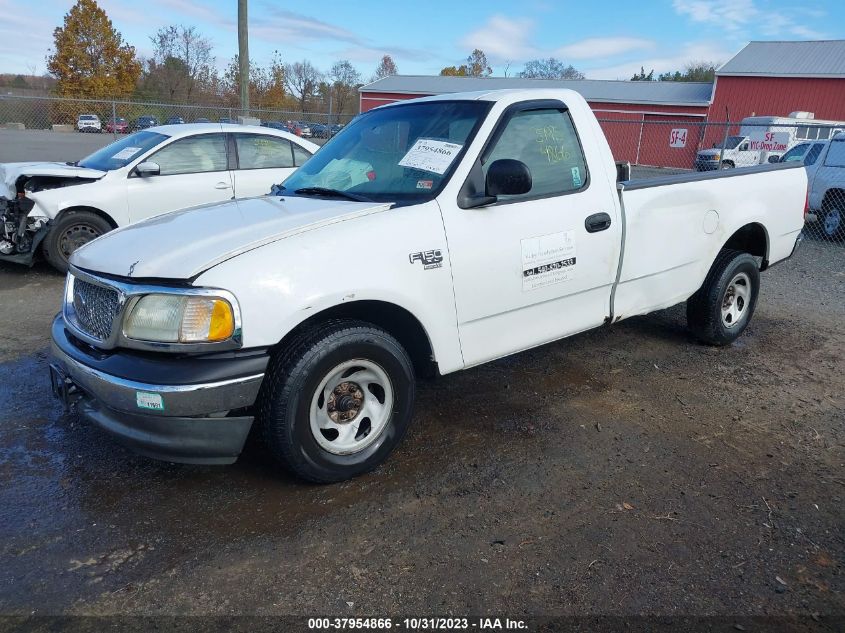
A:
x,y
774,159
147,168
623,170
743,147
507,177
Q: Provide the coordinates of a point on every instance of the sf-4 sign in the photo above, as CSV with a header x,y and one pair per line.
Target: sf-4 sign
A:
x,y
678,138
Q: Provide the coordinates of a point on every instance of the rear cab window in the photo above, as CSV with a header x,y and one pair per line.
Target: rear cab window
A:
x,y
836,154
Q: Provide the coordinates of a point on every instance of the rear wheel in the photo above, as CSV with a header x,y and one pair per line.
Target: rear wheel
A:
x,y
337,400
721,309
832,221
72,230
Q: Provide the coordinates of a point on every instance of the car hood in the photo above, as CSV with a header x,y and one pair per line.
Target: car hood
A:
x,y
10,172
183,244
709,152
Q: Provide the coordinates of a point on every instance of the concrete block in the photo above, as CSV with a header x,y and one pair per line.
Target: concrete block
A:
x,y
248,120
15,126
63,127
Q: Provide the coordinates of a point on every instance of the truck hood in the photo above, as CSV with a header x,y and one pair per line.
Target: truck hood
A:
x,y
10,172
183,244
709,152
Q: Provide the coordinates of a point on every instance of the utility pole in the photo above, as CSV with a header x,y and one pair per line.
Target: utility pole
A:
x,y
243,55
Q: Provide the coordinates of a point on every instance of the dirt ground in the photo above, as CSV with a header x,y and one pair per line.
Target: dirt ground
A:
x,y
625,471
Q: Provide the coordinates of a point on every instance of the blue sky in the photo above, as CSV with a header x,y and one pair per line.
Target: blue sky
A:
x,y
607,40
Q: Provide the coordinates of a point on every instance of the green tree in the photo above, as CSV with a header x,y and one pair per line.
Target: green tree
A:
x,y
693,71
642,76
182,63
550,68
90,58
19,82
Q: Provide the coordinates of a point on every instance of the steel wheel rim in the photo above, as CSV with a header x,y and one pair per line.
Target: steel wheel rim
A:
x,y
76,236
735,300
832,222
351,407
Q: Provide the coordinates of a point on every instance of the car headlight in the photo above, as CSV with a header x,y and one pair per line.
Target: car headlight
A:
x,y
174,318
717,156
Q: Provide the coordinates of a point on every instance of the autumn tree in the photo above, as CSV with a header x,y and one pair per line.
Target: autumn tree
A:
x,y
386,68
266,84
90,58
550,68
302,80
476,66
182,63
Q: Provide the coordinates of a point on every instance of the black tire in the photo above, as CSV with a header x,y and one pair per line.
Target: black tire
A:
x,y
735,273
69,232
831,224
293,381
726,165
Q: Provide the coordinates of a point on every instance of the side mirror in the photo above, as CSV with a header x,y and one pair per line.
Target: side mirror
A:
x,y
623,171
508,177
774,159
743,147
147,168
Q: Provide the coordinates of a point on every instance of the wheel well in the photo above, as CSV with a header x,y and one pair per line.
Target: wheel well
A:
x,y
829,196
752,239
93,210
397,321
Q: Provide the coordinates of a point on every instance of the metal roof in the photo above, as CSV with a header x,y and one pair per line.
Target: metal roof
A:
x,y
818,59
596,90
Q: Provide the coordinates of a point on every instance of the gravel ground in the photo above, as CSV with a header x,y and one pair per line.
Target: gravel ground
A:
x,y
625,471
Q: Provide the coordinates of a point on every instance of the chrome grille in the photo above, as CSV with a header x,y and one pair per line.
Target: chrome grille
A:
x,y
95,308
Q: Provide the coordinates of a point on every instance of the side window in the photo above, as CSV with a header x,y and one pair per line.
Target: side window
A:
x,y
256,151
836,154
545,140
191,155
813,154
300,155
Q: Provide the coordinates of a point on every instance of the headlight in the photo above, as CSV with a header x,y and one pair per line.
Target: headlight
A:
x,y
717,156
173,318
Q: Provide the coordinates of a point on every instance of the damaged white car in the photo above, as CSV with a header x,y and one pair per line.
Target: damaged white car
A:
x,y
54,208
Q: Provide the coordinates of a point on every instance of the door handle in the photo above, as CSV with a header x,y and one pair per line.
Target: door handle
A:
x,y
597,222
222,185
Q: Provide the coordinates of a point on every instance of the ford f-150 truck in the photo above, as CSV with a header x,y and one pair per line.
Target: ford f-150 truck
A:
x,y
426,237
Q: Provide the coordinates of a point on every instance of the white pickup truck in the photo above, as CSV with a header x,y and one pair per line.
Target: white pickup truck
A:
x,y
427,237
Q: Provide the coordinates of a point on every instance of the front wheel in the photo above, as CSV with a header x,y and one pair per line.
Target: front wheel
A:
x,y
721,309
726,165
72,230
337,400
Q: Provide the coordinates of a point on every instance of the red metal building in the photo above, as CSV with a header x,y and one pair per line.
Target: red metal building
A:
x,y
645,122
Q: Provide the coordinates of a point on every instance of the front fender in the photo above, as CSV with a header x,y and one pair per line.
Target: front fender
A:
x,y
283,283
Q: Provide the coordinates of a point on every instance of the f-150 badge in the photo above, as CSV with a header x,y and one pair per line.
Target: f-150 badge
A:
x,y
429,259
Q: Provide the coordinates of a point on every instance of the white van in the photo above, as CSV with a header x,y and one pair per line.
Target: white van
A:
x,y
764,139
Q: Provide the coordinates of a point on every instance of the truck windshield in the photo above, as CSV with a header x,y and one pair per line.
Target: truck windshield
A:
x,y
402,153
732,142
122,152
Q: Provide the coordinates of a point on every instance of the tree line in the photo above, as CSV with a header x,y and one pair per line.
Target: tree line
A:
x,y
91,60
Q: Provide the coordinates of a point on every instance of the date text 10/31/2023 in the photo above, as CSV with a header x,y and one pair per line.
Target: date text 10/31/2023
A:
x,y
418,624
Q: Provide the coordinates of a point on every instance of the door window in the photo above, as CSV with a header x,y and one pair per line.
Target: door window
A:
x,y
300,155
836,154
545,140
813,154
257,151
194,154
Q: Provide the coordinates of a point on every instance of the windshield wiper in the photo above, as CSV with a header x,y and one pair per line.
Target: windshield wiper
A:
x,y
335,193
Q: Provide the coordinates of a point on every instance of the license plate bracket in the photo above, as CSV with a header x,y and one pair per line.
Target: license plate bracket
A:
x,y
63,387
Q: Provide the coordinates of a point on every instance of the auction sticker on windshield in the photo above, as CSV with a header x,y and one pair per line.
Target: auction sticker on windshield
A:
x,y
126,153
548,259
431,155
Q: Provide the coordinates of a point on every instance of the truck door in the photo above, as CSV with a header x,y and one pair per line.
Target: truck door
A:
x,y
539,266
746,156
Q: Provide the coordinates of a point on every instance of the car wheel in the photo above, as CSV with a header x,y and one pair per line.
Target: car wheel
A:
x,y
726,165
721,309
337,400
832,222
72,230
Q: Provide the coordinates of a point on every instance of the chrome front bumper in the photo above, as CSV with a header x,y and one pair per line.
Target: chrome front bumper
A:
x,y
202,423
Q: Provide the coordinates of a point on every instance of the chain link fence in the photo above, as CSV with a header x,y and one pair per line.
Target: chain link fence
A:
x,y
120,117
657,145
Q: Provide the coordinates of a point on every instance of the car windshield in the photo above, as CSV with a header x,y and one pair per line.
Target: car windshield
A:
x,y
398,153
732,142
796,153
122,152
87,117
